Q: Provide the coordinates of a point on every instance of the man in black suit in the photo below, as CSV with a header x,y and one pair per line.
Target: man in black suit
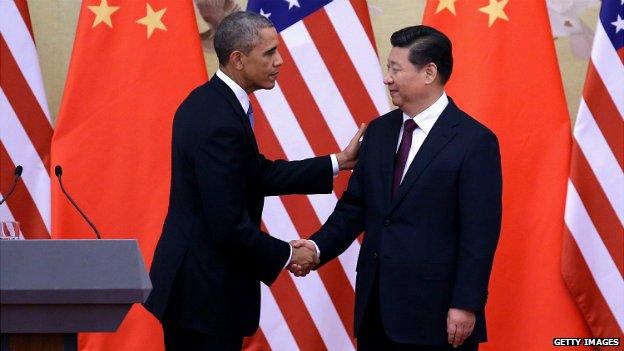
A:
x,y
212,255
427,193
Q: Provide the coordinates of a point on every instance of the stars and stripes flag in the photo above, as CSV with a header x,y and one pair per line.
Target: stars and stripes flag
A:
x,y
593,256
26,126
331,81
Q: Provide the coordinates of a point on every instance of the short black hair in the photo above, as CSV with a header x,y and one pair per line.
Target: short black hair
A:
x,y
426,44
238,31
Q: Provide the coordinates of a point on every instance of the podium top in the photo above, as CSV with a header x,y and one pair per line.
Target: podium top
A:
x,y
72,272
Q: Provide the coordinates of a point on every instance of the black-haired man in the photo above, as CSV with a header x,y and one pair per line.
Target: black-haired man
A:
x,y
427,192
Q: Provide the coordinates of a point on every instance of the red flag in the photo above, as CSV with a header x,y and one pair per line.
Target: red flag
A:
x,y
133,63
26,128
506,75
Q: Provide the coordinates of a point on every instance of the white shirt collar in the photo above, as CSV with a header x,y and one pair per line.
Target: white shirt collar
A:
x,y
240,93
427,118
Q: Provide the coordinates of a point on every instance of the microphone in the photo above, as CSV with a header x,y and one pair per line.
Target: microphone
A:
x,y
58,171
18,174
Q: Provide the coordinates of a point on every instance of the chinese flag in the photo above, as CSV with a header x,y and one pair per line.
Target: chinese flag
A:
x,y
506,75
132,64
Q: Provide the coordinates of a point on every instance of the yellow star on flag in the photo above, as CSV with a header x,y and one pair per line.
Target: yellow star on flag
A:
x,y
103,13
446,4
153,20
495,10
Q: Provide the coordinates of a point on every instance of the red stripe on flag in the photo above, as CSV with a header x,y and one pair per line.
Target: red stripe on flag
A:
x,y
340,67
583,288
25,105
605,112
306,222
21,204
304,107
256,342
290,303
597,205
308,115
22,7
297,317
332,274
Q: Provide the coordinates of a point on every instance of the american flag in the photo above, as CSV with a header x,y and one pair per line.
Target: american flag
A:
x,y
331,81
26,128
593,256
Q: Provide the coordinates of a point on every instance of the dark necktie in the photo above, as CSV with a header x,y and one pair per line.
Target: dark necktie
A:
x,y
250,116
400,159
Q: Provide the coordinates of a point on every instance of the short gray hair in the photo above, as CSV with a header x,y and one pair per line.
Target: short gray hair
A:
x,y
239,31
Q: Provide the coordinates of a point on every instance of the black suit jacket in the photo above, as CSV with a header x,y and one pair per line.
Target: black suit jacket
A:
x,y
433,243
211,255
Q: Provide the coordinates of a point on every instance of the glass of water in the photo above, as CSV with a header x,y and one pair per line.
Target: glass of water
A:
x,y
10,230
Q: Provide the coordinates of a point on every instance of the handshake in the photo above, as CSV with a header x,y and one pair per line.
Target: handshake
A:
x,y
304,257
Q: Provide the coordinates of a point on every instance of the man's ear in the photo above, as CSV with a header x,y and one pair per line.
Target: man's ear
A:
x,y
431,72
236,60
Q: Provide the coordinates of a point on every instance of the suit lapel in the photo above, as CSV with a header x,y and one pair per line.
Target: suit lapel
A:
x,y
237,108
439,136
389,141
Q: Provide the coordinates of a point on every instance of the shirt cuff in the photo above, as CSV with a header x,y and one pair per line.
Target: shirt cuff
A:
x,y
335,167
318,251
289,256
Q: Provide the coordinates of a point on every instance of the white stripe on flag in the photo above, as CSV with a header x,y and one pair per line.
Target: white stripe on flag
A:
x,y
360,51
22,47
22,152
609,67
274,327
348,259
595,253
5,212
320,83
296,147
284,123
600,158
311,288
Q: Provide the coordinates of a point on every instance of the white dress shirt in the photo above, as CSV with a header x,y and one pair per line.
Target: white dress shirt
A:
x,y
243,99
425,121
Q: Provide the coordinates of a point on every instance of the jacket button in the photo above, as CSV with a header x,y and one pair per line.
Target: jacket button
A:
x,y
375,256
386,222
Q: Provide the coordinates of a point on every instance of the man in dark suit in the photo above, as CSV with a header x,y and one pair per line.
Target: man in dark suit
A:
x,y
212,255
427,193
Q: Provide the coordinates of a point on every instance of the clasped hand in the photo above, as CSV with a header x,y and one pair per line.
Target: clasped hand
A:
x,y
304,257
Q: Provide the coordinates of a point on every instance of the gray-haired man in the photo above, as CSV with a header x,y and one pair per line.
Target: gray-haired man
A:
x,y
212,255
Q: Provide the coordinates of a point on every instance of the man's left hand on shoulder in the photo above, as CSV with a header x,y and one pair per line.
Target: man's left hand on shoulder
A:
x,y
347,158
459,325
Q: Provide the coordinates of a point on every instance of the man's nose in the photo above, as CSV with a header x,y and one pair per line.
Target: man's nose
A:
x,y
387,79
278,60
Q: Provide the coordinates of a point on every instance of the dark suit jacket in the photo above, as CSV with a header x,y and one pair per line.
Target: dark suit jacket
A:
x,y
211,255
433,243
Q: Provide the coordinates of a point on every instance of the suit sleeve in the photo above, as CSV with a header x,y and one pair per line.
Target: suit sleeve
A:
x,y
480,210
347,220
220,167
309,176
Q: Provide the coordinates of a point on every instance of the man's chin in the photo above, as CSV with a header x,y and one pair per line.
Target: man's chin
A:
x,y
397,102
